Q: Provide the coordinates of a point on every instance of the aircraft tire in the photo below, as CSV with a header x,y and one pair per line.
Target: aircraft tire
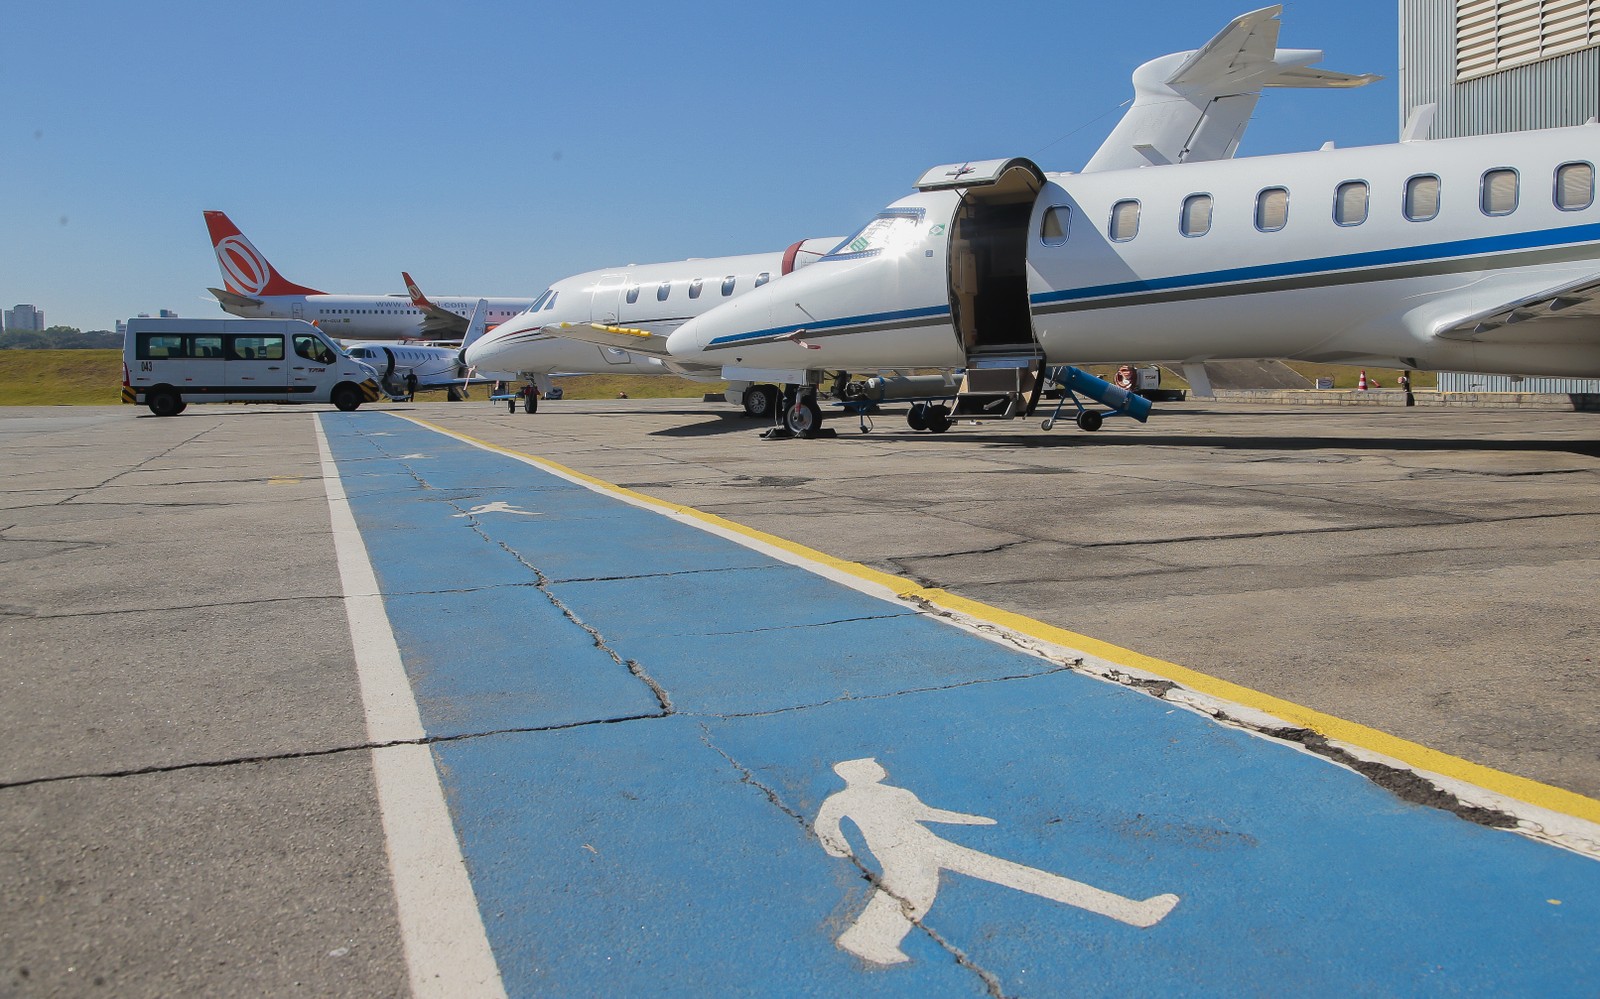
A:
x,y
938,419
917,418
759,401
805,417
345,398
530,402
1089,421
164,402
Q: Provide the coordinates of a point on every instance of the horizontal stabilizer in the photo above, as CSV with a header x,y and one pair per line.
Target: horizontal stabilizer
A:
x,y
1537,318
635,341
230,300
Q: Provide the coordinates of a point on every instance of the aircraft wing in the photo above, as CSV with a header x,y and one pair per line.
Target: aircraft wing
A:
x,y
230,299
436,322
635,341
1536,317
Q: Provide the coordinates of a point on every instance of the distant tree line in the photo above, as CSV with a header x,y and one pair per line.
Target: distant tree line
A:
x,y
60,338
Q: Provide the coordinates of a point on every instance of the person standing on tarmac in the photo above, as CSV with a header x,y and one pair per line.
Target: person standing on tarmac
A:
x,y
1405,386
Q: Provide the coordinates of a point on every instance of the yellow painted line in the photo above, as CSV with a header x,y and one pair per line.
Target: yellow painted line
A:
x,y
283,480
1410,753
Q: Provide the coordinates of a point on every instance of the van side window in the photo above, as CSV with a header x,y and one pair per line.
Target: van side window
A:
x,y
265,348
312,349
1272,209
694,287
1124,221
1195,219
663,291
633,293
1498,193
763,278
1056,224
159,346
206,346
1574,186
1422,198
727,285
1350,202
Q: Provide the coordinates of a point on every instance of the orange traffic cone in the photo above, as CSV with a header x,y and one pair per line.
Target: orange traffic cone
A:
x,y
1361,385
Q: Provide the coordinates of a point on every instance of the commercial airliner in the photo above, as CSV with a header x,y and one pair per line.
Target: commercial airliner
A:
x,y
253,288
1474,254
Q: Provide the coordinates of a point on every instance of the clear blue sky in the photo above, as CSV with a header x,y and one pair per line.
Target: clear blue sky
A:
x,y
492,147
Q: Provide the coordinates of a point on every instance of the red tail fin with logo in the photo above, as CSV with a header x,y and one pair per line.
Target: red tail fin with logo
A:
x,y
244,270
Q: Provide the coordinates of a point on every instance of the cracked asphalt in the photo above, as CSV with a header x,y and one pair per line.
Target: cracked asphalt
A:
x,y
185,799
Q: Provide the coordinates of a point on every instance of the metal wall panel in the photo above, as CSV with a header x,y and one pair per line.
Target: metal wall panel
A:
x,y
1455,381
1564,90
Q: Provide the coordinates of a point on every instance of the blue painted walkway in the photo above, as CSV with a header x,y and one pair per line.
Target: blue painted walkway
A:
x,y
635,794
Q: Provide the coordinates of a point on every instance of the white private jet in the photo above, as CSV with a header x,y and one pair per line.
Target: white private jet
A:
x,y
254,289
1473,254
626,313
1188,107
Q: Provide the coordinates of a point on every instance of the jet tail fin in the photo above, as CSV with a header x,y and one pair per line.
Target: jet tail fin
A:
x,y
245,270
438,322
1194,106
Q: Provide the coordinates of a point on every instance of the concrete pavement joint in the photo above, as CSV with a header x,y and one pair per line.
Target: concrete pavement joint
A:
x,y
991,982
848,698
12,610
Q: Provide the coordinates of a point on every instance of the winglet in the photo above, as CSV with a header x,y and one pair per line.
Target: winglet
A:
x,y
476,326
245,271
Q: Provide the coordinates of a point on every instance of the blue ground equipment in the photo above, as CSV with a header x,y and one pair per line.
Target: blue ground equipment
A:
x,y
1120,401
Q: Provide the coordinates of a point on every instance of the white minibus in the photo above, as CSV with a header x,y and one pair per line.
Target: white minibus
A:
x,y
169,363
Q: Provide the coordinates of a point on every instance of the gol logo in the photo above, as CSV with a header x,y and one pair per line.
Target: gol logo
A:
x,y
243,266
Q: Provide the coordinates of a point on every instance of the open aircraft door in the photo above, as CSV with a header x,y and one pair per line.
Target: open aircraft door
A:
x,y
988,255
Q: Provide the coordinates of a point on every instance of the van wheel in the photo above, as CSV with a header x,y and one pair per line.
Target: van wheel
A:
x,y
164,402
345,398
181,407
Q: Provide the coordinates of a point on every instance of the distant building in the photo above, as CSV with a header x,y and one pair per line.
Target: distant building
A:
x,y
1495,66
168,314
23,317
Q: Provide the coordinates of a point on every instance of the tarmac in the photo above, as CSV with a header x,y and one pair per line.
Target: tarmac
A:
x,y
187,792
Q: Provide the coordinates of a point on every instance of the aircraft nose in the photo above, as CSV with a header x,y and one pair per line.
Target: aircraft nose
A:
x,y
714,331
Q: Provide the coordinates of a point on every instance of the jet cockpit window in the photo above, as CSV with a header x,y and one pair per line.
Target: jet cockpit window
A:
x,y
1574,186
893,229
1498,195
1350,202
1195,220
1422,197
1124,223
538,303
663,291
727,285
552,302
1053,230
1272,209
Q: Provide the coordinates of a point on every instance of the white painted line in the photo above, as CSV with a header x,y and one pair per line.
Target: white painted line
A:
x,y
447,949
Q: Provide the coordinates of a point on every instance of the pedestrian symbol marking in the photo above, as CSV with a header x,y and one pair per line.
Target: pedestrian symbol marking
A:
x,y
891,821
498,506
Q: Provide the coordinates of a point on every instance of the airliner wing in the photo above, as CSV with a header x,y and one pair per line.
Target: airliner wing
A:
x,y
237,301
1535,317
635,341
436,322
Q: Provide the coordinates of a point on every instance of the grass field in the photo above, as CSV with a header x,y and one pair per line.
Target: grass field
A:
x,y
94,378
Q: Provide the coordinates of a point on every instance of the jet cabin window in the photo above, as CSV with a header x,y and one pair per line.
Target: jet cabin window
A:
x,y
1057,222
1195,220
1350,202
1124,224
1498,195
1272,209
890,230
633,293
663,291
727,285
694,287
763,278
1422,198
1574,186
